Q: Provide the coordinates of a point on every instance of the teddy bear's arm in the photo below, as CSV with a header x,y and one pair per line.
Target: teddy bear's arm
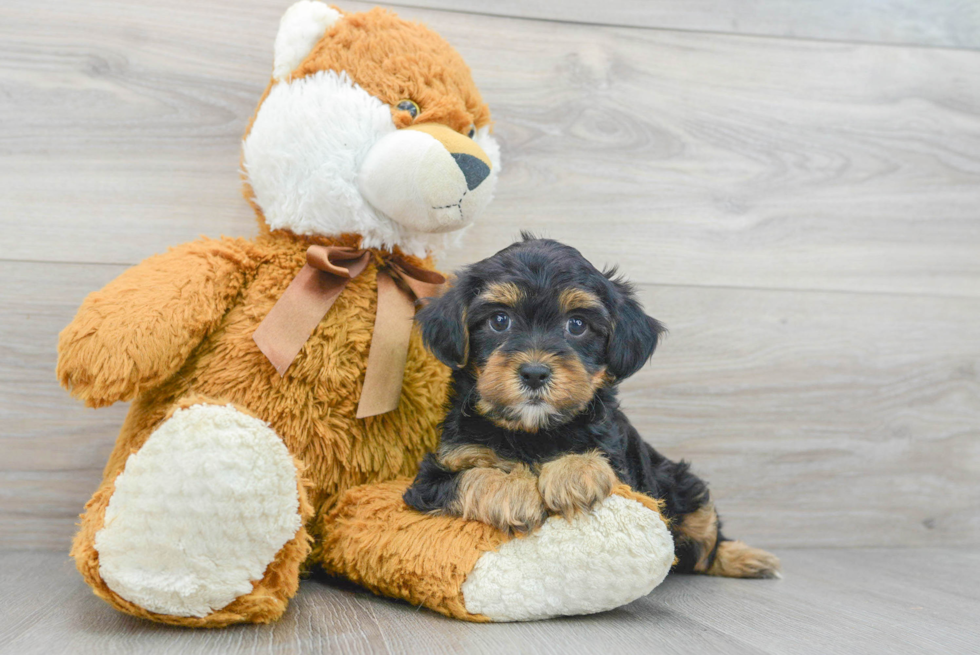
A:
x,y
139,330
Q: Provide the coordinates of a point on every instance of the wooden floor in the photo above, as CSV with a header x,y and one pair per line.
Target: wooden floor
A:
x,y
832,601
794,186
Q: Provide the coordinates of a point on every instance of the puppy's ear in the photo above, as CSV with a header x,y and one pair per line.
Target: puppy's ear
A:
x,y
634,336
443,325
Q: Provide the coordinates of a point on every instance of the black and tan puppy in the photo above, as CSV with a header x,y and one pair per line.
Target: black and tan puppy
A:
x,y
539,339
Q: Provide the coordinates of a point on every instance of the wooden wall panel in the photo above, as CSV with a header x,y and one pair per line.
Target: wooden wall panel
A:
x,y
691,158
941,23
823,419
802,214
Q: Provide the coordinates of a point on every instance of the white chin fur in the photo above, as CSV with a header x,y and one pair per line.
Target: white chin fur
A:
x,y
303,154
534,417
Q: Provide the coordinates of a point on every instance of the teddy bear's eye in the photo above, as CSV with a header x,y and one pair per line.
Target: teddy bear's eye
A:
x,y
408,105
472,132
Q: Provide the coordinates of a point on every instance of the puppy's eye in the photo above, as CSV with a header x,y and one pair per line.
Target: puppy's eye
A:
x,y
472,131
408,105
499,322
576,326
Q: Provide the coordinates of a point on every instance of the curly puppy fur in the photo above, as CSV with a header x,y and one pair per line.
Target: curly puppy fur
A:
x,y
539,340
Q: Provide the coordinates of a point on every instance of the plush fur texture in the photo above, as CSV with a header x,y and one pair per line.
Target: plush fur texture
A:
x,y
377,541
127,342
264,603
315,126
303,155
226,484
176,331
303,24
393,59
174,334
470,571
592,563
540,339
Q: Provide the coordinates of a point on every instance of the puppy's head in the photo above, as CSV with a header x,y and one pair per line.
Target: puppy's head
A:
x,y
539,330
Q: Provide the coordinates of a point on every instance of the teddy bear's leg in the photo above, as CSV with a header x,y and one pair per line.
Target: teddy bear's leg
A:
x,y
204,526
468,570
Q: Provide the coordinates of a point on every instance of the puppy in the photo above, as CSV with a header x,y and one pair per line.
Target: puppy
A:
x,y
539,340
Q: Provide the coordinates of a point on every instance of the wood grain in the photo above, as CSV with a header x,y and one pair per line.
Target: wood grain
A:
x,y
945,23
720,160
853,602
830,419
802,214
820,418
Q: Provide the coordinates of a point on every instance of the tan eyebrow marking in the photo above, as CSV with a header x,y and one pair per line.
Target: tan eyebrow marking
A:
x,y
504,293
578,299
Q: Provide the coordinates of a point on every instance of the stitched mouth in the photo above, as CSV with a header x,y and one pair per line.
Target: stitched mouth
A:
x,y
458,205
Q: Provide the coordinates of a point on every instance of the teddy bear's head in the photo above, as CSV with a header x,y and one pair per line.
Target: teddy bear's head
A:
x,y
371,125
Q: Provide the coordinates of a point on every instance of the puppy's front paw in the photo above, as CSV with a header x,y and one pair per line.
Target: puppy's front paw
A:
x,y
507,500
576,483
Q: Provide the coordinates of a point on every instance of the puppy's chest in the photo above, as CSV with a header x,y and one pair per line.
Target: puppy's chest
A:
x,y
535,449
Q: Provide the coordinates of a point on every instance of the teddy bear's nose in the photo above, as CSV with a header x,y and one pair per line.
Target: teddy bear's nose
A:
x,y
427,177
473,169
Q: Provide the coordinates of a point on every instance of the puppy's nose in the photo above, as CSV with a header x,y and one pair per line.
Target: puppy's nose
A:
x,y
474,170
534,376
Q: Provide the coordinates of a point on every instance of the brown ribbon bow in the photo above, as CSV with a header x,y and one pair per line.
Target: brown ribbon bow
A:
x,y
312,292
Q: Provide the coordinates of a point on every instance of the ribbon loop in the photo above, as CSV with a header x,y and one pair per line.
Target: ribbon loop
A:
x,y
332,259
311,294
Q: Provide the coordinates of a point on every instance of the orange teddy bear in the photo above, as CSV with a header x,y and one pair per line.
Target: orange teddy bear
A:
x,y
250,452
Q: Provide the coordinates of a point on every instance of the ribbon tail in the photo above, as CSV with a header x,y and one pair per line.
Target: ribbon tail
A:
x,y
389,350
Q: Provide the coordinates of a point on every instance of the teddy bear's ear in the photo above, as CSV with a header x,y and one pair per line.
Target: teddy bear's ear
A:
x,y
300,28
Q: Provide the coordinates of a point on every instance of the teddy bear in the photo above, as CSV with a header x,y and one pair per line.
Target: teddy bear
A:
x,y
281,400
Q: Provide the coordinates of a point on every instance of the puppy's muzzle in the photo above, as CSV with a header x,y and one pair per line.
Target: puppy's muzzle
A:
x,y
427,177
534,375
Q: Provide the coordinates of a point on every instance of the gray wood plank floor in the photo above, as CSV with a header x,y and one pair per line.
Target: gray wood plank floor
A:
x,y
831,601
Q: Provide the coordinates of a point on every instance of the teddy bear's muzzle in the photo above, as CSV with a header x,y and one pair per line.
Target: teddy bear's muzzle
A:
x,y
427,177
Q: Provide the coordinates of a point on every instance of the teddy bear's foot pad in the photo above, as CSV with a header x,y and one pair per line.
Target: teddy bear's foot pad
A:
x,y
199,512
591,563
